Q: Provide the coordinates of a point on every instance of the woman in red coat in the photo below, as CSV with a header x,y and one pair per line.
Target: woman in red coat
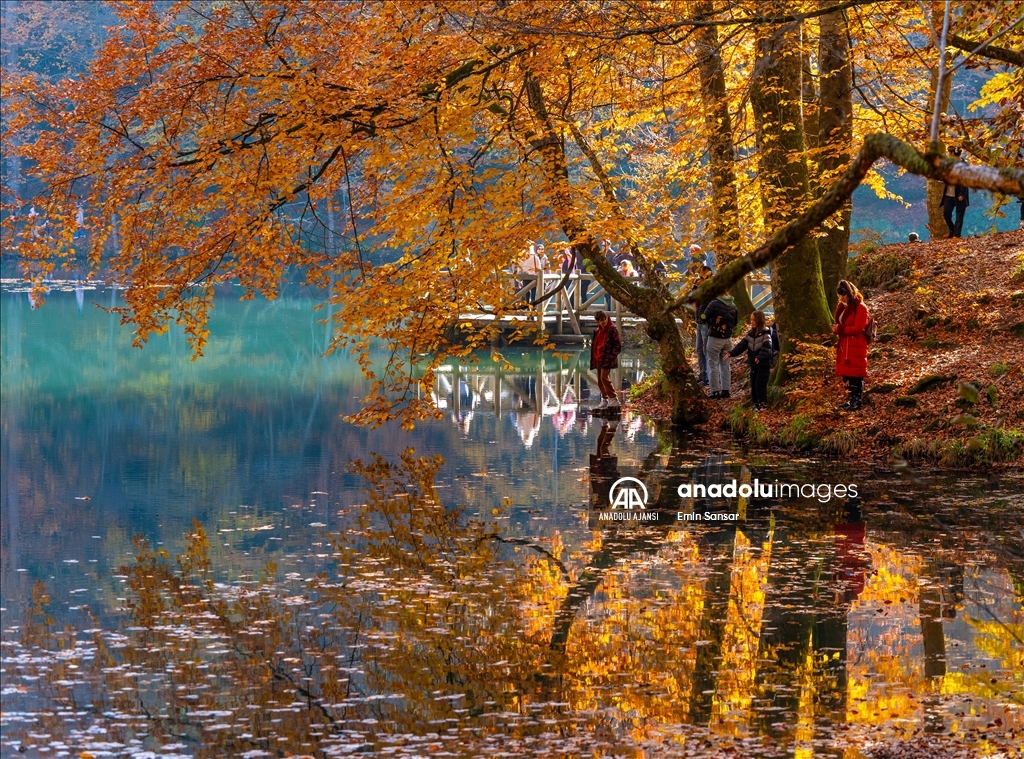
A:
x,y
851,323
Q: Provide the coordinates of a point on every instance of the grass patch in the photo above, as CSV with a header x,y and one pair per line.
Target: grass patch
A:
x,y
798,433
777,396
875,270
999,368
654,379
997,445
840,442
989,447
744,423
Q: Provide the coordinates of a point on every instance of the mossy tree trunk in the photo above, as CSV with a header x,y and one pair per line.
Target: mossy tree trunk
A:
x,y
800,306
835,137
725,229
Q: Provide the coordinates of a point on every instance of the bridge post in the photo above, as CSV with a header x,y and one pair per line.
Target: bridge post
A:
x,y
540,306
558,307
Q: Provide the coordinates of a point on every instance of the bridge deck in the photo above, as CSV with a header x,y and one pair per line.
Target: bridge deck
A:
x,y
565,313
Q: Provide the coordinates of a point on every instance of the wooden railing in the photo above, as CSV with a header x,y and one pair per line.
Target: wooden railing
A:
x,y
583,296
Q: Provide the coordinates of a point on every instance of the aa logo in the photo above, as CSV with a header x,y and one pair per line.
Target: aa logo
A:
x,y
628,493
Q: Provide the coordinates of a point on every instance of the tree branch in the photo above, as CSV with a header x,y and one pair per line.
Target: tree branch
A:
x,y
1008,181
1005,55
786,18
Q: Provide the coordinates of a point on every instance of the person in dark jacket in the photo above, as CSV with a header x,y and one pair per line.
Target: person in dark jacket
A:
x,y
604,356
696,274
720,315
955,198
851,324
758,345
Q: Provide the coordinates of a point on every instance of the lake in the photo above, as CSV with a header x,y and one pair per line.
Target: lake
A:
x,y
232,569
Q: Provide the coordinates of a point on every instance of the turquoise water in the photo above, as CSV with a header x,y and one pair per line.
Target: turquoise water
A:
x,y
474,603
101,438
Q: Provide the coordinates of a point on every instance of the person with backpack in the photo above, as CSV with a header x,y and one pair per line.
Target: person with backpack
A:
x,y
720,315
855,328
758,345
604,356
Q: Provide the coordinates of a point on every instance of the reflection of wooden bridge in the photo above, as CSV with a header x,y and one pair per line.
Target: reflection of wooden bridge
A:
x,y
554,386
568,314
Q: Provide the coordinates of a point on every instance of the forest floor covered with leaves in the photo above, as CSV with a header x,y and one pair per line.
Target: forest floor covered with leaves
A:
x,y
945,378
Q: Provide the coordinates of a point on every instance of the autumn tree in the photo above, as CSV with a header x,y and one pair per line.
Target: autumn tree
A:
x,y
426,143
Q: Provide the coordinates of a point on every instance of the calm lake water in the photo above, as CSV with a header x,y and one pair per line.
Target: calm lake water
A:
x,y
464,596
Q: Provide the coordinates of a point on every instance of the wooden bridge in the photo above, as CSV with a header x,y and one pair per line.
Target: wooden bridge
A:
x,y
568,315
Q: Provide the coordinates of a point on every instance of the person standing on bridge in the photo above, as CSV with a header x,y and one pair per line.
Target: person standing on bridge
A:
x,y
530,265
604,356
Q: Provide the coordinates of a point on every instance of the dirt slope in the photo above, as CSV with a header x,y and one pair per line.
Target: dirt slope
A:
x,y
951,311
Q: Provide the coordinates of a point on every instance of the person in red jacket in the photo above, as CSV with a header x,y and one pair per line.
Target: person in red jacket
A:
x,y
604,356
851,323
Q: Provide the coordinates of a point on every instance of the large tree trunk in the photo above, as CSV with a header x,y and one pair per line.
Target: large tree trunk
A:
x,y
936,224
725,230
835,136
797,290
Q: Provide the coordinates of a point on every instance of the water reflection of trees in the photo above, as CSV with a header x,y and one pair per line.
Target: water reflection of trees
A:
x,y
434,630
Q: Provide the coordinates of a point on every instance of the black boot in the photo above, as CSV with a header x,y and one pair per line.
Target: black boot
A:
x,y
855,398
855,390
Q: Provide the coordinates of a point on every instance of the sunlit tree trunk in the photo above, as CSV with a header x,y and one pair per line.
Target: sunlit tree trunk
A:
x,y
809,108
800,305
725,230
835,137
936,224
